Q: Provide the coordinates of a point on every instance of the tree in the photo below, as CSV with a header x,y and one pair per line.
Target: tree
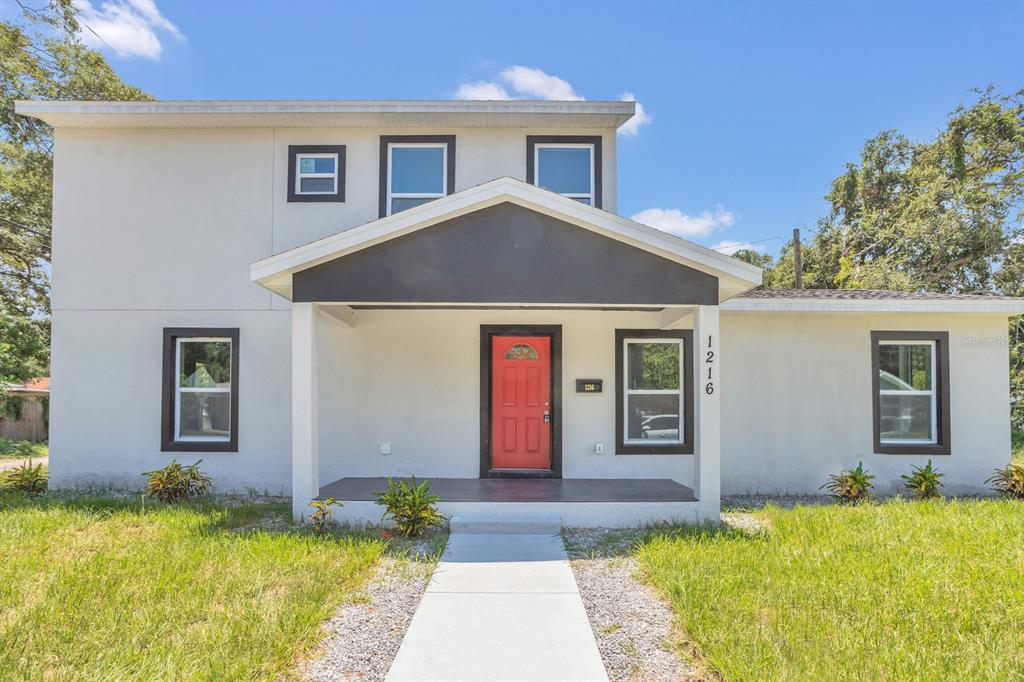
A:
x,y
41,57
944,215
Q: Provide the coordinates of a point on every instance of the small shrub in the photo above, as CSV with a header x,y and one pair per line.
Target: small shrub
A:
x,y
1009,481
412,508
26,478
175,482
18,448
322,516
923,482
850,485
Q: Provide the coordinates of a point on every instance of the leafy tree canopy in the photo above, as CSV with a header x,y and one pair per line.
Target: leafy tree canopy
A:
x,y
41,57
945,214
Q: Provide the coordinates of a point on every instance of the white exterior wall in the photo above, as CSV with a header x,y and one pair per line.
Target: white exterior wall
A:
x,y
412,378
797,400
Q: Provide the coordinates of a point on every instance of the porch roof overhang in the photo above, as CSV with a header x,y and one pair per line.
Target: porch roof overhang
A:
x,y
278,273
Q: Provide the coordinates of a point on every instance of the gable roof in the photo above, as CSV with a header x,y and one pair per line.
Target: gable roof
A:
x,y
735,276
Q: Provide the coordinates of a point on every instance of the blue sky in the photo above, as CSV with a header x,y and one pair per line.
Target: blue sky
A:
x,y
754,107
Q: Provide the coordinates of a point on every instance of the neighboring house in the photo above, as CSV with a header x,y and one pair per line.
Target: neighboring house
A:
x,y
24,410
310,296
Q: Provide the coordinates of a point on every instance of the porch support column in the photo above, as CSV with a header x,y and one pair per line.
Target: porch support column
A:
x,y
707,412
305,409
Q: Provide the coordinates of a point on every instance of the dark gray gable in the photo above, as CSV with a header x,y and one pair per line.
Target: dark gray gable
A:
x,y
504,254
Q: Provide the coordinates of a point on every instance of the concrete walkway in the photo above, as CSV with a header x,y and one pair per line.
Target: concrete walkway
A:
x,y
502,605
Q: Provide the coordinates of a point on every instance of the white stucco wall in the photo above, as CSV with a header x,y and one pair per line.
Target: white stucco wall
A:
x,y
797,401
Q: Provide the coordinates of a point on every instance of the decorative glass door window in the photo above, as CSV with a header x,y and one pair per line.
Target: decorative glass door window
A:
x,y
202,405
653,397
907,395
567,169
418,173
316,174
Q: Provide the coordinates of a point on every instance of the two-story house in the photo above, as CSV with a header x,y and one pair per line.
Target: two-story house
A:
x,y
311,296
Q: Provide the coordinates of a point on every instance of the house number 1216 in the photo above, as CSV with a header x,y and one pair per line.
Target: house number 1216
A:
x,y
709,387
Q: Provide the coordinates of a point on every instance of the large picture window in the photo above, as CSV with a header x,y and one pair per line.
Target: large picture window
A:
x,y
415,169
200,390
910,392
654,391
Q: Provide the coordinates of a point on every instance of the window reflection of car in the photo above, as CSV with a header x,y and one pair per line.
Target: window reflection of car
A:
x,y
660,426
890,382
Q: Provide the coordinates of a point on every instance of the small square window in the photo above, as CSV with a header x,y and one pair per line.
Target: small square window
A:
x,y
316,173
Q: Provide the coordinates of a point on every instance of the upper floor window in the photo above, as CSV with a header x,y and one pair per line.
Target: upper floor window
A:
x,y
316,173
200,401
567,164
415,169
910,397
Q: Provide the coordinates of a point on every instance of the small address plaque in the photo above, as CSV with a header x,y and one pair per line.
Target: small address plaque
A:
x,y
589,385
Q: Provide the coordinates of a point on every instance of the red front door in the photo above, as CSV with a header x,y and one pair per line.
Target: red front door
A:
x,y
521,402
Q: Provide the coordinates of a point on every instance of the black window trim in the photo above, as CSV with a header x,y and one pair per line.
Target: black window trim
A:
x,y
942,446
294,150
167,441
684,448
595,140
385,162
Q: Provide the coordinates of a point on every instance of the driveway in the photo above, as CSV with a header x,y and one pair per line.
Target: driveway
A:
x,y
6,464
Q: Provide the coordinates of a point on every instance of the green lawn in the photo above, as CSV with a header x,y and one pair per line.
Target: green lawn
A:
x,y
101,589
20,449
893,591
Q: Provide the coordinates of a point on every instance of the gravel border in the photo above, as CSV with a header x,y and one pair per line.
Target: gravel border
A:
x,y
362,638
633,627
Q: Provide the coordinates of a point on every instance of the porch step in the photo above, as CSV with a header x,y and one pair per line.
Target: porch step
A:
x,y
513,524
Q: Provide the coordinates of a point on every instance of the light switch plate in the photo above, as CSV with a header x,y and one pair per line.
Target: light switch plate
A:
x,y
385,447
598,448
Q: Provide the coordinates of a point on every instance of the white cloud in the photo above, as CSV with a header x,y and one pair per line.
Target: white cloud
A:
x,y
527,82
128,27
640,118
531,82
481,90
681,224
730,248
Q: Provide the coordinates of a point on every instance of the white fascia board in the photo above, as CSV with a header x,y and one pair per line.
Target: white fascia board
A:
x,y
270,270
997,306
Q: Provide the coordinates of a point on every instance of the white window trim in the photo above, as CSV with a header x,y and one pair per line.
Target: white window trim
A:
x,y
299,175
933,393
443,146
589,196
627,391
179,389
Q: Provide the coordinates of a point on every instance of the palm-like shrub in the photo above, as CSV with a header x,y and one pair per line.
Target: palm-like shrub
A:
x,y
923,482
850,485
175,482
322,516
1009,481
26,478
411,507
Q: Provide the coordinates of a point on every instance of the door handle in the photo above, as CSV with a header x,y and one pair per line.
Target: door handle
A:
x,y
547,417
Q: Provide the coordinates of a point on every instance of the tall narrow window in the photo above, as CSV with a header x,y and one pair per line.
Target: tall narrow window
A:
x,y
200,389
316,173
415,170
910,392
567,165
653,401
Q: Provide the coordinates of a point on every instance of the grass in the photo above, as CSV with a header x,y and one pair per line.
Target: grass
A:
x,y
20,449
893,591
109,589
